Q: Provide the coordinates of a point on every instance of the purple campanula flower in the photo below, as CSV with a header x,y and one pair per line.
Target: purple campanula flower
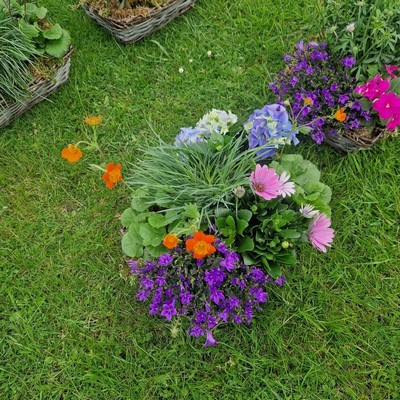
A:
x,y
318,137
287,58
160,280
237,319
210,341
215,277
196,331
168,310
216,295
259,294
280,281
186,297
348,62
146,283
343,98
143,295
165,259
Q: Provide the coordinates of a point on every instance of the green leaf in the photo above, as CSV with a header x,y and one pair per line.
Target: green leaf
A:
x,y
222,212
157,220
130,246
230,222
171,216
151,236
191,211
41,12
127,217
156,251
58,48
245,214
27,29
290,234
248,259
55,32
274,270
287,258
395,86
241,225
138,203
245,244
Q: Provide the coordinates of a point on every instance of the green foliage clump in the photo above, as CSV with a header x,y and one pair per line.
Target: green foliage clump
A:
x,y
365,29
49,39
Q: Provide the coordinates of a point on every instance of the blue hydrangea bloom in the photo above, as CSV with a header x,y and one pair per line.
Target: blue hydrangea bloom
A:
x,y
271,127
190,136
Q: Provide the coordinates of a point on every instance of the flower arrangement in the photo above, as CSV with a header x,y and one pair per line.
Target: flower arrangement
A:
x,y
366,30
319,87
226,213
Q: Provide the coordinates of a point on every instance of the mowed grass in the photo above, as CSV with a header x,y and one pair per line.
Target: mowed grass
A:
x,y
70,326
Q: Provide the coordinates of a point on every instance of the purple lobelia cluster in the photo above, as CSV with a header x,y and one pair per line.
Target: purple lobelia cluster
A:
x,y
211,291
317,85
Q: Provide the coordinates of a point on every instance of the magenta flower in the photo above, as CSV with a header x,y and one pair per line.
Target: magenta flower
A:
x,y
319,233
266,182
394,122
390,69
373,88
387,105
287,187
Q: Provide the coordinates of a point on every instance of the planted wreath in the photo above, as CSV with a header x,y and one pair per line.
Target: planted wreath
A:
x,y
222,208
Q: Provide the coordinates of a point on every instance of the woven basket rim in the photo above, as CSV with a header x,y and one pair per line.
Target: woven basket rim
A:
x,y
39,80
136,19
364,141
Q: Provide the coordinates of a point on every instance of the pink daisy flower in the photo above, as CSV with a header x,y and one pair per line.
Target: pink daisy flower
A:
x,y
319,233
287,187
265,182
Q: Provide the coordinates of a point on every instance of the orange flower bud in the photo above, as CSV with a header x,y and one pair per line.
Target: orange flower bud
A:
x,y
93,120
71,153
170,241
112,175
340,115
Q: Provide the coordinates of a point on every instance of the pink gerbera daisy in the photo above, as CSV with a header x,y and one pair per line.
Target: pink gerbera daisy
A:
x,y
287,187
319,233
266,182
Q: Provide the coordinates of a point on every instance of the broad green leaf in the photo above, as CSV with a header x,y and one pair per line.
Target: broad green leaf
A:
x,y
248,259
287,258
157,220
58,48
290,234
27,29
274,270
127,217
245,244
130,246
230,222
156,251
55,32
245,214
41,12
151,236
138,203
241,225
395,86
191,211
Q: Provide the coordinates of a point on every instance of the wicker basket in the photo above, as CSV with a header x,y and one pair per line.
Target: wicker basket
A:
x,y
39,88
132,29
356,139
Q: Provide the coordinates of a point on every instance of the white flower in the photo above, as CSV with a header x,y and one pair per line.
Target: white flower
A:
x,y
287,187
308,211
190,60
217,121
181,70
351,27
209,53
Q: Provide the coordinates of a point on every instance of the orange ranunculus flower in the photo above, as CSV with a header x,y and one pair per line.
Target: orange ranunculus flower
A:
x,y
93,120
170,241
112,175
340,115
71,153
200,245
308,101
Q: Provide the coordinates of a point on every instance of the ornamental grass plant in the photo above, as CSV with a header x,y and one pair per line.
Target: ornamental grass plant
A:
x,y
15,54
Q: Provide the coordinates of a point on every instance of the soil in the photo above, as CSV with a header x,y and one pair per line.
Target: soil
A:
x,y
132,8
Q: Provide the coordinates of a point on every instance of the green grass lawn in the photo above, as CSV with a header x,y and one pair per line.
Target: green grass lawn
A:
x,y
70,326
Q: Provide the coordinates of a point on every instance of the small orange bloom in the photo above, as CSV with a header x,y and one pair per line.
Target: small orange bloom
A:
x,y
308,101
112,175
201,245
170,241
93,120
340,115
71,153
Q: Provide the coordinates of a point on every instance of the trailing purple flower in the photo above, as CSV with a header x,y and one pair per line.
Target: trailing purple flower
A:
x,y
219,290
